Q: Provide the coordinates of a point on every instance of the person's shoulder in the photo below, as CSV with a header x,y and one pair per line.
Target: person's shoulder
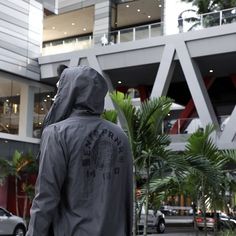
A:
x,y
115,128
56,127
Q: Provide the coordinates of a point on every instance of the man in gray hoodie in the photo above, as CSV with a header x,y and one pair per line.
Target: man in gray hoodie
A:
x,y
84,185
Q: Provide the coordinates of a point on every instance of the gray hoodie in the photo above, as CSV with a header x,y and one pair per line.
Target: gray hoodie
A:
x,y
84,186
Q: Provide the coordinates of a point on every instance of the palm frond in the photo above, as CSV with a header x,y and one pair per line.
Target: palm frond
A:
x,y
126,113
110,115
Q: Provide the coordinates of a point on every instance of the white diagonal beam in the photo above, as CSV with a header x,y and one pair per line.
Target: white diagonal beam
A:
x,y
165,72
229,131
93,62
196,86
74,61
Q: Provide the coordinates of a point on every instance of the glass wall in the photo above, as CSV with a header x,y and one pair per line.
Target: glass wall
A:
x,y
13,113
43,100
9,106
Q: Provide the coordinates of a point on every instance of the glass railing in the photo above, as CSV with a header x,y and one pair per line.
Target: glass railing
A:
x,y
135,33
207,20
67,45
188,125
227,16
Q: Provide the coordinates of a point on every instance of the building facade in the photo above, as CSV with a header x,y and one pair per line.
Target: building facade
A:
x,y
141,47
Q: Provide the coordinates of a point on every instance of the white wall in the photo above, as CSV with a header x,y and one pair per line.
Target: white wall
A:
x,y
172,9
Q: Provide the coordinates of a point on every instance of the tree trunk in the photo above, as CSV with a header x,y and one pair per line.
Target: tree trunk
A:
x,y
16,195
134,202
145,227
215,222
204,210
194,220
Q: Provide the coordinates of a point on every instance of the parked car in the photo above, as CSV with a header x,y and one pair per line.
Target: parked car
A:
x,y
156,221
222,221
11,224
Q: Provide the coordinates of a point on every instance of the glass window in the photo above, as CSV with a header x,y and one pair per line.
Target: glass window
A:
x,y
9,106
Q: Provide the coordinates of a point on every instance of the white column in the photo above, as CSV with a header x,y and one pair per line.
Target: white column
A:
x,y
26,111
165,72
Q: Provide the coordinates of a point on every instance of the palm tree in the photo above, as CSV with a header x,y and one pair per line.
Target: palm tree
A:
x,y
205,6
144,130
206,169
20,163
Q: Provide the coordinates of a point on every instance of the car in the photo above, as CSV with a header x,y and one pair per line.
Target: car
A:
x,y
156,221
168,211
222,221
11,224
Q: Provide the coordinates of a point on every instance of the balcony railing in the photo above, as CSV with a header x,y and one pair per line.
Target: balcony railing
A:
x,y
227,16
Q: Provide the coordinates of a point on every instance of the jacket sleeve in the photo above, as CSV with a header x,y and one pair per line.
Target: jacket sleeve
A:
x,y
129,190
52,173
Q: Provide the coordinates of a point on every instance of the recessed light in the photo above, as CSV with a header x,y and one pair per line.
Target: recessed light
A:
x,y
72,23
7,126
65,33
149,17
48,96
160,5
53,27
127,5
84,29
40,123
45,100
42,109
119,82
211,71
138,10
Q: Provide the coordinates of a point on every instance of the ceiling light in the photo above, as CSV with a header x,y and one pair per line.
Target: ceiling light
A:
x,y
119,82
42,109
53,27
160,5
45,100
40,123
138,10
72,23
211,71
149,17
84,29
127,6
65,33
48,96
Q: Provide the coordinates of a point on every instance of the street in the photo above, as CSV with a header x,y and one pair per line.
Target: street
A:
x,y
180,226
181,231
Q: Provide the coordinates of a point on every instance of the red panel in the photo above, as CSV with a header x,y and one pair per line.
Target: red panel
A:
x,y
233,79
183,120
142,92
3,193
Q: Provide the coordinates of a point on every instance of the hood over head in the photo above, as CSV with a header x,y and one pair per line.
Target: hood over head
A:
x,y
81,89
